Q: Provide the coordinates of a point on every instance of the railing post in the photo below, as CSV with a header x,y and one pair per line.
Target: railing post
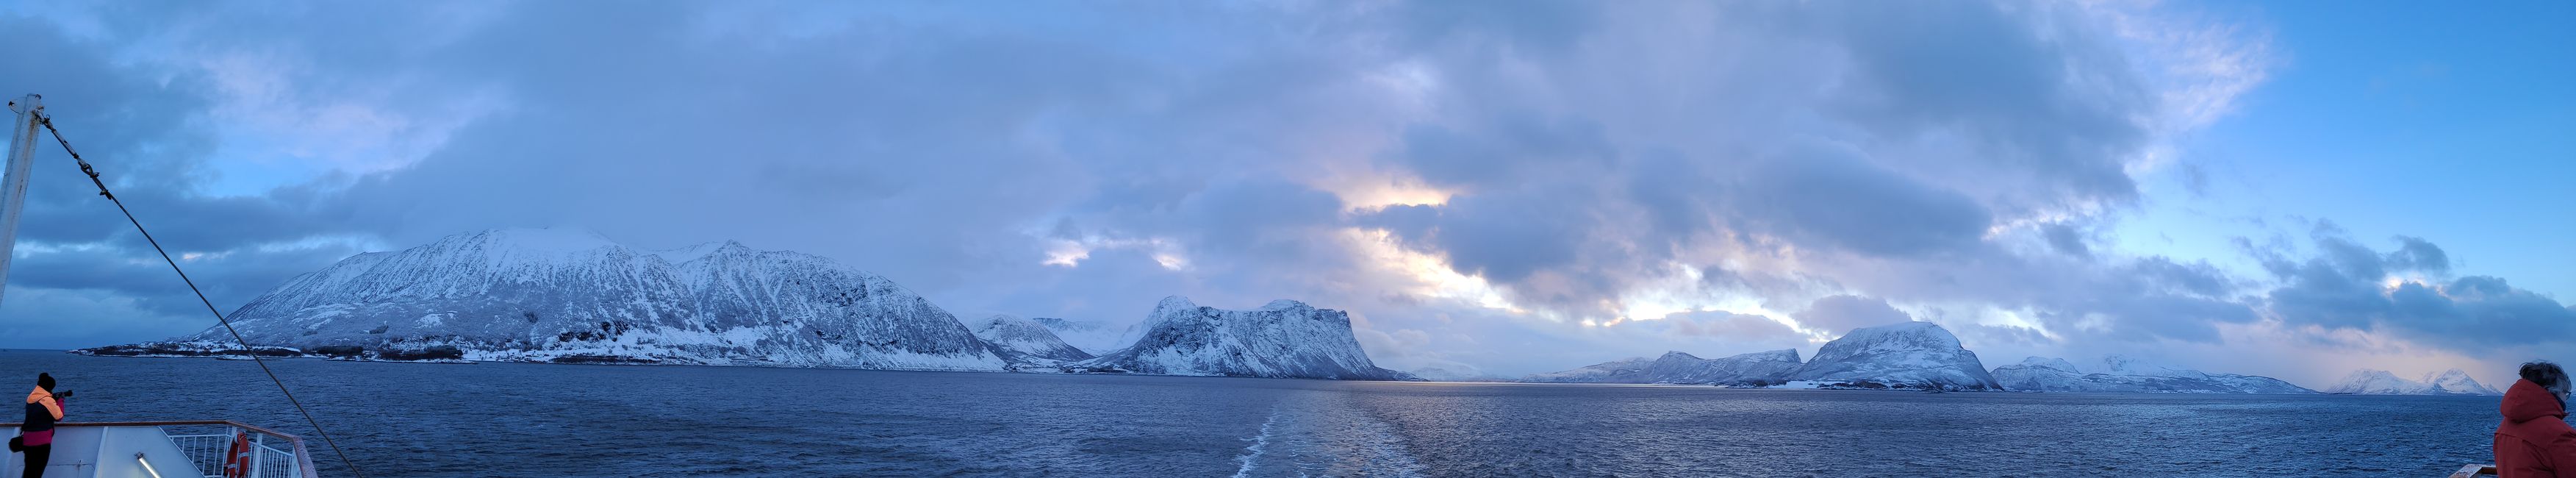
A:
x,y
258,455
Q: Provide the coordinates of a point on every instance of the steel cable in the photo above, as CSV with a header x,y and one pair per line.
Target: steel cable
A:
x,y
41,118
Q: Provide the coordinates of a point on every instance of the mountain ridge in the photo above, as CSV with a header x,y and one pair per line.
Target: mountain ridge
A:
x,y
2123,374
571,296
1678,367
2382,382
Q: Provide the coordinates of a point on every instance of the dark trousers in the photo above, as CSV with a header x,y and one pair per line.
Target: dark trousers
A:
x,y
36,458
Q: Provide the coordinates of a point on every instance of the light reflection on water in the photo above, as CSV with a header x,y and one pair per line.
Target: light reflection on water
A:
x,y
558,420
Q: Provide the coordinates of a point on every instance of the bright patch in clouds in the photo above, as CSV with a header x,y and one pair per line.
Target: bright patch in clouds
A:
x,y
1430,276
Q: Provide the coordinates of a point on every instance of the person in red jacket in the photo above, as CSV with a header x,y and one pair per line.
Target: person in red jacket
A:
x,y
2534,440
36,435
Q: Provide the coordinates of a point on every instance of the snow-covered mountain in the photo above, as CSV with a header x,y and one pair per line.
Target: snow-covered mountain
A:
x,y
2377,382
1091,336
543,295
1900,353
1284,339
2457,381
2381,382
1678,367
2121,374
1031,342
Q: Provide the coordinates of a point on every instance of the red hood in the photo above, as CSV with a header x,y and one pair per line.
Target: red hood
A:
x,y
2527,401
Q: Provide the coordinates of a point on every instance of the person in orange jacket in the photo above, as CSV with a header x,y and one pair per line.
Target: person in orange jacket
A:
x,y
2534,440
36,435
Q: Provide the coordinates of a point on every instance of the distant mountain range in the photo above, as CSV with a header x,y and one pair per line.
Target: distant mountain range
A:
x,y
2381,382
2121,374
1677,367
540,295
1899,355
1924,355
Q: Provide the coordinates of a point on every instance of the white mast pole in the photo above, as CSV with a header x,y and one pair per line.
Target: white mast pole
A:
x,y
13,176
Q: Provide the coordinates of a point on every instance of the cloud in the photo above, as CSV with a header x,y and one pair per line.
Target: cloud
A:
x,y
1728,325
1486,183
1845,312
2001,336
1830,196
2038,96
2346,285
1730,154
150,133
1506,150
1503,238
2416,254
2066,239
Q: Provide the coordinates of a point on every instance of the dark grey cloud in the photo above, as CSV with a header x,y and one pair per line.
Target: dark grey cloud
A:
x,y
2089,300
1905,157
2044,99
927,150
2066,239
2345,285
2198,278
2151,298
1510,150
2416,254
1500,237
1259,216
1830,195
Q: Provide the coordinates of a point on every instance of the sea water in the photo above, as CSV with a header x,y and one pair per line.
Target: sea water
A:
x,y
497,419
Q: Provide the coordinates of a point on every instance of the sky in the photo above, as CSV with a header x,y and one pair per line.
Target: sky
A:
x,y
2290,189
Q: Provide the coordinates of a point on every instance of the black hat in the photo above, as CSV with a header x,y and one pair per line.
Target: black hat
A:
x,y
2545,374
45,381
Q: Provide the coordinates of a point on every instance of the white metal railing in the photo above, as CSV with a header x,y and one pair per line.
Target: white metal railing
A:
x,y
208,451
272,454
